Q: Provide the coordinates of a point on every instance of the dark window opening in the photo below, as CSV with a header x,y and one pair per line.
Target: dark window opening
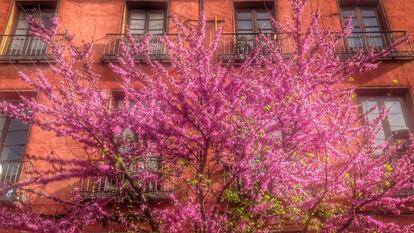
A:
x,y
369,25
146,21
20,42
253,21
397,125
366,27
397,117
13,140
147,17
249,22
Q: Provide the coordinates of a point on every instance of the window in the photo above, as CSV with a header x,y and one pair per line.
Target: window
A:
x,y
147,21
102,185
366,30
397,117
13,140
150,162
253,21
249,22
369,25
20,43
142,19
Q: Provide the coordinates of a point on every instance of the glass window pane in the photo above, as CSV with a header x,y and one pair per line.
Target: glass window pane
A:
x,y
47,18
12,153
16,138
156,15
396,121
264,24
137,14
356,29
244,25
368,105
355,40
374,41
371,22
348,13
263,15
22,25
244,15
395,115
156,25
393,106
137,24
355,22
368,12
2,122
16,124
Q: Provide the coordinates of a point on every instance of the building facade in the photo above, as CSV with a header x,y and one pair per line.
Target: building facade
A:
x,y
376,24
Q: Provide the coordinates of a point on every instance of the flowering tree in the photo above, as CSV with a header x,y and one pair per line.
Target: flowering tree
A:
x,y
273,141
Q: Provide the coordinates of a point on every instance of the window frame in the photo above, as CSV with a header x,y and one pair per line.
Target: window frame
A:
x,y
25,9
147,19
253,11
14,96
380,99
23,45
358,12
355,5
5,132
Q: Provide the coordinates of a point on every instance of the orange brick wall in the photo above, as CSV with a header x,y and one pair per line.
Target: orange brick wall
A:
x,y
91,20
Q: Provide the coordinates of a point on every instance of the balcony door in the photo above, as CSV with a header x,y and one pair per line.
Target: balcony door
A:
x,y
366,28
13,139
23,44
397,115
148,21
250,22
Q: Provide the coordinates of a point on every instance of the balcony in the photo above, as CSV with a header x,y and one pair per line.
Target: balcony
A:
x,y
92,187
236,46
112,48
23,48
11,172
378,41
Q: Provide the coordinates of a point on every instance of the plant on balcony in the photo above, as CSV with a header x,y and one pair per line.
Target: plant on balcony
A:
x,y
263,146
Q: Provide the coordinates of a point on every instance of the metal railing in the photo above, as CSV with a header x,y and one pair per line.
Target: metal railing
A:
x,y
366,41
102,186
11,172
159,186
24,48
112,48
238,45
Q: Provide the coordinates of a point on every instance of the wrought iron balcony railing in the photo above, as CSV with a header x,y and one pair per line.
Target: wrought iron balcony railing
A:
x,y
236,46
11,172
112,48
158,187
365,41
91,187
23,48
